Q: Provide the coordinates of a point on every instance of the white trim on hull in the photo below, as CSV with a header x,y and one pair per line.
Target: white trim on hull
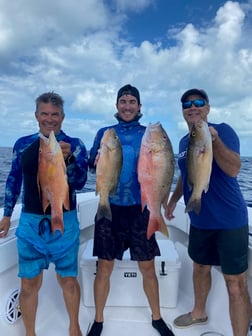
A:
x,y
52,319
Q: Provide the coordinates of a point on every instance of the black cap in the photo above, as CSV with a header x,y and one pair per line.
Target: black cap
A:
x,y
128,90
198,92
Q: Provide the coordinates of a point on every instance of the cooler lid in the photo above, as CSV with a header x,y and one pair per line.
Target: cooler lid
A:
x,y
168,252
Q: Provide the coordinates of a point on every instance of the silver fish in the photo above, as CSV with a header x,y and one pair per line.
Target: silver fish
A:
x,y
199,163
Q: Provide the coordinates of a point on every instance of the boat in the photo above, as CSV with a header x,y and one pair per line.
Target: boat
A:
x,y
52,319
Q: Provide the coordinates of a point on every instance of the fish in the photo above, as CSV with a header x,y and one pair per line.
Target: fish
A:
x,y
52,180
108,171
156,166
199,164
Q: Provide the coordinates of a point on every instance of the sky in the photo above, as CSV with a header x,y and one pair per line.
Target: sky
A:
x,y
85,50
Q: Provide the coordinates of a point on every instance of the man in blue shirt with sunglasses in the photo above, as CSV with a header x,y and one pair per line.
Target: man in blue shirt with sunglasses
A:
x,y
219,233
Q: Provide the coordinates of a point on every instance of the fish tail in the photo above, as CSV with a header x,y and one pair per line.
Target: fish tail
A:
x,y
194,204
57,224
156,224
104,211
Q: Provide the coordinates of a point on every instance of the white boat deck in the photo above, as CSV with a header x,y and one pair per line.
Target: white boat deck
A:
x,y
52,319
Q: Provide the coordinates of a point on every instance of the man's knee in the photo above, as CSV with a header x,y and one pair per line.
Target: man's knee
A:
x,y
147,268
236,285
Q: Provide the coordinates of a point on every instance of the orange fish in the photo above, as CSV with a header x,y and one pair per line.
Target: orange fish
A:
x,y
155,175
52,180
108,171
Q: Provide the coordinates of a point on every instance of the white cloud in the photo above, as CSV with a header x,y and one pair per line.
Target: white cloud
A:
x,y
79,50
134,6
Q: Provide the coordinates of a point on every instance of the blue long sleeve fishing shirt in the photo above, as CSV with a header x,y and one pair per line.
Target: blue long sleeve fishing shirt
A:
x,y
130,135
24,170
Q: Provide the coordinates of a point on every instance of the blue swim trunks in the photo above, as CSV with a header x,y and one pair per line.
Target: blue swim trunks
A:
x,y
38,246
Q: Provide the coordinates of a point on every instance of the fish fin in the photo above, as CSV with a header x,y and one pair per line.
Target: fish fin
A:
x,y
190,185
194,204
206,188
144,205
165,200
144,201
104,211
45,203
66,202
156,224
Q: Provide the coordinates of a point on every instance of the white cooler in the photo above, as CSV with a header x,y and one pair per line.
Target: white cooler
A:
x,y
126,287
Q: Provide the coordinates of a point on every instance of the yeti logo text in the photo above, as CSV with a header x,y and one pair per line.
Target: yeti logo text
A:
x,y
130,274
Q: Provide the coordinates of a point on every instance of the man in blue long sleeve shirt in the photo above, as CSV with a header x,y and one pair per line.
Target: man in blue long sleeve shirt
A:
x,y
37,247
128,226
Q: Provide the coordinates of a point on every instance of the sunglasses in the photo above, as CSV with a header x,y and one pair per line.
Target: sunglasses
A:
x,y
197,103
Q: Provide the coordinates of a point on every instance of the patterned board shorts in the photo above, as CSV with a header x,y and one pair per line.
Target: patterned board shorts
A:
x,y
38,246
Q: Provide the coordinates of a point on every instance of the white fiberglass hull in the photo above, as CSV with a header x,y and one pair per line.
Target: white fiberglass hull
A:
x,y
52,319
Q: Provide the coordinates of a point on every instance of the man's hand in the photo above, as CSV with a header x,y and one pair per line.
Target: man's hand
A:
x,y
66,149
4,226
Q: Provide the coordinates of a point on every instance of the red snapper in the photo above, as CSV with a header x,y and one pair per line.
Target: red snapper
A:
x,y
155,175
52,180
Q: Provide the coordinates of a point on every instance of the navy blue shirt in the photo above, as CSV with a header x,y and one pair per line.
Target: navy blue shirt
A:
x,y
223,206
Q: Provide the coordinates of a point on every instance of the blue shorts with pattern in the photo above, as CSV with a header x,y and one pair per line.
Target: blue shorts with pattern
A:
x,y
38,246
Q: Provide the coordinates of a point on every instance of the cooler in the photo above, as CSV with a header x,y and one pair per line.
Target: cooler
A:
x,y
126,287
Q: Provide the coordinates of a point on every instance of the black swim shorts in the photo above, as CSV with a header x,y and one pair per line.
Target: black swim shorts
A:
x,y
126,230
227,248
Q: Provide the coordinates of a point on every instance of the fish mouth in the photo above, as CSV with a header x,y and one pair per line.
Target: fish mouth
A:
x,y
51,142
154,125
44,137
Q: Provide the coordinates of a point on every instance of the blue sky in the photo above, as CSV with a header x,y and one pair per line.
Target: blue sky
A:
x,y
86,50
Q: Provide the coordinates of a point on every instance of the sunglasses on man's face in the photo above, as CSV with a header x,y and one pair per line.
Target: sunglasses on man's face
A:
x,y
197,103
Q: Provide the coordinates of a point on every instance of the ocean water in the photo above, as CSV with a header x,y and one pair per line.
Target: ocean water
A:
x,y
244,178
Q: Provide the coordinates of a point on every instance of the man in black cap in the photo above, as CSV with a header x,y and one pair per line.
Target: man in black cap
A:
x,y
128,226
219,232
198,92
